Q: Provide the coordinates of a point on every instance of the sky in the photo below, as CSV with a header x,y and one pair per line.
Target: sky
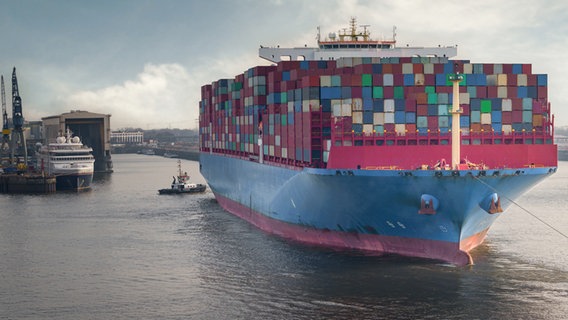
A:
x,y
144,61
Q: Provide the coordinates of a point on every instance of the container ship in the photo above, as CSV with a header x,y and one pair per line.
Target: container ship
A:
x,y
360,144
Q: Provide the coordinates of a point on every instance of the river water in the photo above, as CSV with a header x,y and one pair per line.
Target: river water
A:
x,y
121,251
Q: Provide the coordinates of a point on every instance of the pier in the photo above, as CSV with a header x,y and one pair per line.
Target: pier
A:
x,y
27,183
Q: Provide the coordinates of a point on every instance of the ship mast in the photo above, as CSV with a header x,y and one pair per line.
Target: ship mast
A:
x,y
456,111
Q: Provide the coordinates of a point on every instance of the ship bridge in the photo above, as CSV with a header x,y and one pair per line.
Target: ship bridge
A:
x,y
277,54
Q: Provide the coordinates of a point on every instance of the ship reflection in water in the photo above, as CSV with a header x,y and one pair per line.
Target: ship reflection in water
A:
x,y
123,251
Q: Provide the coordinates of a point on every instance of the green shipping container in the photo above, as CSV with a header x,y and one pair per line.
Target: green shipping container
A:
x,y
367,80
377,92
399,92
485,106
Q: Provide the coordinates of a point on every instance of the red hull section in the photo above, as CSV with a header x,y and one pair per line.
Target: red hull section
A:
x,y
412,157
454,253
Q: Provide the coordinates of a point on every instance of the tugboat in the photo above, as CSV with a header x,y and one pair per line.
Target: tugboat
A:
x,y
181,184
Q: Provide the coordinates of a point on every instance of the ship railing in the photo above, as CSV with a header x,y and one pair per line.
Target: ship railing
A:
x,y
387,138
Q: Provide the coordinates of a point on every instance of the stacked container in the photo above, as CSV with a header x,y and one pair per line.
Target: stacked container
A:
x,y
293,107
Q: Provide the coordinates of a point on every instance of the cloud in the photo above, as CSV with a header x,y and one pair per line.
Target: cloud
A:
x,y
161,96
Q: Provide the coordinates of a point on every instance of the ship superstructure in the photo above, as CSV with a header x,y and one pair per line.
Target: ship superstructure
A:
x,y
352,42
406,153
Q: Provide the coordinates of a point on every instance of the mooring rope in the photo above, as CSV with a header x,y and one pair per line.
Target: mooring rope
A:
x,y
524,209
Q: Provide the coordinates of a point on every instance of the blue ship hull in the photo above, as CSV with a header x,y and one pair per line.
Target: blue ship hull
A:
x,y
375,210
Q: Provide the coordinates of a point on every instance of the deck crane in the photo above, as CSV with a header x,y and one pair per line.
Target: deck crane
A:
x,y
5,127
17,120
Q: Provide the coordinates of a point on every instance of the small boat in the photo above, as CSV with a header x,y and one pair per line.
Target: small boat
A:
x,y
170,155
181,184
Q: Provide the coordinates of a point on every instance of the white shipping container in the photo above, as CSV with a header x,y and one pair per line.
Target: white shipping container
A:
x,y
501,92
522,80
284,152
357,104
277,140
502,79
388,80
400,129
357,117
507,105
507,128
389,117
346,110
378,118
467,68
464,98
419,79
428,68
290,106
407,68
368,128
325,81
486,118
336,109
389,105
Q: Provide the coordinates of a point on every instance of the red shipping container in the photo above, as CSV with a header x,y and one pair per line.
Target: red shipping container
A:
x,y
398,79
487,127
377,81
457,65
410,105
433,123
278,151
387,68
475,127
542,93
527,68
422,110
356,92
259,100
346,79
507,117
512,91
422,98
491,92
388,92
405,59
487,68
417,68
446,89
517,104
396,68
481,92
512,80
429,79
507,68
438,68
389,127
356,80
465,109
411,128
517,116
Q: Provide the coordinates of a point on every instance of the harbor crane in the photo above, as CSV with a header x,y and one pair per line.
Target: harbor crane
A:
x,y
17,120
5,128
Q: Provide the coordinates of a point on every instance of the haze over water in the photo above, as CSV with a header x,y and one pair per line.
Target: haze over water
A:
x,y
121,251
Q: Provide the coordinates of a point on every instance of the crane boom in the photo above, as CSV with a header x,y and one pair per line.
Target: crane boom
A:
x,y
5,127
17,121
